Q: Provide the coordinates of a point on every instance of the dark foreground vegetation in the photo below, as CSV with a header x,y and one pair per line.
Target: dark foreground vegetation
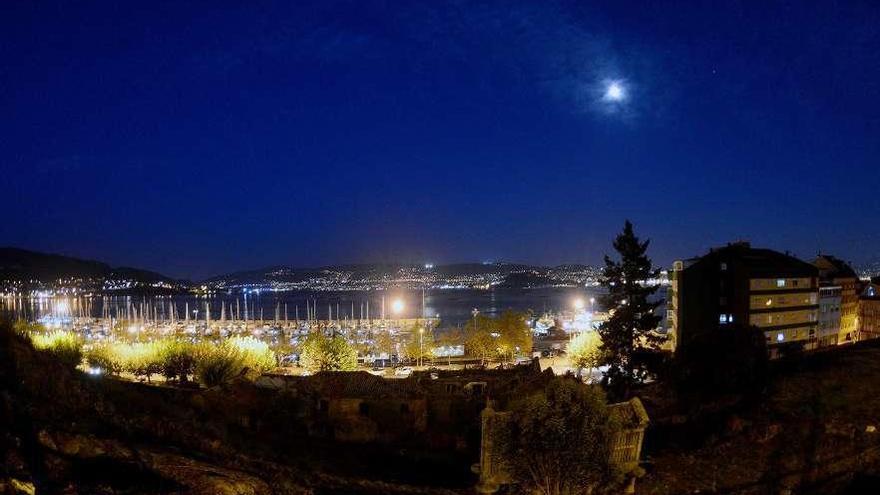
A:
x,y
64,431
801,425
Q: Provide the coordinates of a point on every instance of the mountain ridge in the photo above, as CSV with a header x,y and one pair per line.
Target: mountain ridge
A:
x,y
24,265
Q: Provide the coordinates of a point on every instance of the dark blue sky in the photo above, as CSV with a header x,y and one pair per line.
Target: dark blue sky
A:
x,y
193,139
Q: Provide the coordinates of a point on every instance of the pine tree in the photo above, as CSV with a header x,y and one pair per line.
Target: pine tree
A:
x,y
632,319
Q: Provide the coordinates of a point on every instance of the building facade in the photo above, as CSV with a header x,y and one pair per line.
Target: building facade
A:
x,y
834,272
741,285
869,312
829,315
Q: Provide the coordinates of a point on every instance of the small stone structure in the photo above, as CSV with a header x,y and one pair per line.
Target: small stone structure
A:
x,y
625,451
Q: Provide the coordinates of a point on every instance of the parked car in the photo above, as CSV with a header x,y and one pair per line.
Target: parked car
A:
x,y
403,371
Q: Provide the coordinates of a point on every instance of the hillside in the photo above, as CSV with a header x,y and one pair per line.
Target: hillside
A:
x,y
62,431
23,265
816,430
381,271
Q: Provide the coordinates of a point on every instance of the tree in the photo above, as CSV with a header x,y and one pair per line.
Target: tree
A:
x,y
514,336
501,338
218,365
559,440
450,338
141,359
420,344
383,343
478,340
584,351
632,320
255,354
322,353
178,360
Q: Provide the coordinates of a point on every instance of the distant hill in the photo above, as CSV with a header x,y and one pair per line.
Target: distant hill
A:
x,y
526,280
516,274
23,265
37,270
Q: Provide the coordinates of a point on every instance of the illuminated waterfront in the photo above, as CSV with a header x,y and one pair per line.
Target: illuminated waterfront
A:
x,y
452,307
284,319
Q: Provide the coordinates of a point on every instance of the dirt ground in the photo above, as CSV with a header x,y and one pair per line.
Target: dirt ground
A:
x,y
817,430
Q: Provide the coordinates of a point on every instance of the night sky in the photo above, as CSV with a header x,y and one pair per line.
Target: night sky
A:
x,y
195,139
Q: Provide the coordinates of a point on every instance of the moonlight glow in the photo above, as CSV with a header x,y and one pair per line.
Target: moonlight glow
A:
x,y
615,92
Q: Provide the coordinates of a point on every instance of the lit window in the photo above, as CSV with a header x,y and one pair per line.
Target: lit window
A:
x,y
723,267
780,282
722,318
769,302
730,318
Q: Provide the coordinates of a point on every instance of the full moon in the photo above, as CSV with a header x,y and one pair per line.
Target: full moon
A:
x,y
614,92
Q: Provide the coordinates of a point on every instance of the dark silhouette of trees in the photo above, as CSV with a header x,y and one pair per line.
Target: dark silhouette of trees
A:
x,y
632,319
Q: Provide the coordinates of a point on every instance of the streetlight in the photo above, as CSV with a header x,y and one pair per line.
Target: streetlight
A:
x,y
578,304
592,304
421,332
397,306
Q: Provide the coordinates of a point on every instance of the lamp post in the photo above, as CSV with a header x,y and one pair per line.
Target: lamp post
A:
x,y
421,332
397,306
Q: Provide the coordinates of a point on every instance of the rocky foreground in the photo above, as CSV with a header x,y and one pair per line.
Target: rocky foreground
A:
x,y
816,430
62,431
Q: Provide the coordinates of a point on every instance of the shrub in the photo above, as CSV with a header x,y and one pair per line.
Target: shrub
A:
x,y
103,357
140,359
322,353
178,360
559,440
26,329
63,345
216,365
255,354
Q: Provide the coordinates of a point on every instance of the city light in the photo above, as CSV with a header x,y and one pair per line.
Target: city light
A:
x,y
578,304
397,306
62,307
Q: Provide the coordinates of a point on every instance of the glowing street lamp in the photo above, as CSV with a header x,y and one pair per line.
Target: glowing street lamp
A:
x,y
397,306
592,304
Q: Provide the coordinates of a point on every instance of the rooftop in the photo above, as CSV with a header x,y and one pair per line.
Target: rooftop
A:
x,y
831,267
760,262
